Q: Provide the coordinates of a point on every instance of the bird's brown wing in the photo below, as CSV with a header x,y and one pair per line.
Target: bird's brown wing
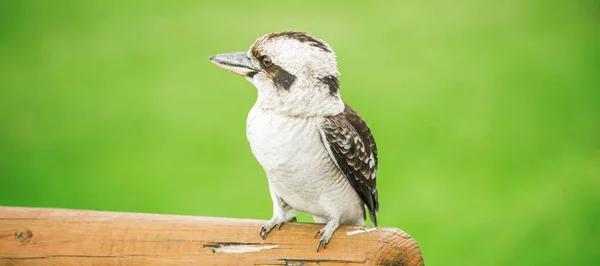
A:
x,y
352,147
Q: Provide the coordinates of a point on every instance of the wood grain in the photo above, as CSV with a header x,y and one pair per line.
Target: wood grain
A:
x,y
36,236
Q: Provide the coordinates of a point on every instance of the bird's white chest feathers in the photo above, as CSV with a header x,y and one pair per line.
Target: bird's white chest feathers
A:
x,y
298,166
281,143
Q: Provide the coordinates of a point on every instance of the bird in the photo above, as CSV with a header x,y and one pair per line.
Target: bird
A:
x,y
318,154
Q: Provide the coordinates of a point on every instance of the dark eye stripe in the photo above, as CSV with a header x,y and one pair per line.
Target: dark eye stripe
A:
x,y
282,78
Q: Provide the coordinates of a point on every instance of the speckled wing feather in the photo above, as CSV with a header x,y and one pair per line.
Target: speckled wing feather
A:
x,y
352,147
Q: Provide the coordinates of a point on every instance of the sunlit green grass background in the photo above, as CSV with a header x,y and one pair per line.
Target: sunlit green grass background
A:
x,y
486,114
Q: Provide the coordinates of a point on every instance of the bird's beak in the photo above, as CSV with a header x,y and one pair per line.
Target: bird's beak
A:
x,y
238,63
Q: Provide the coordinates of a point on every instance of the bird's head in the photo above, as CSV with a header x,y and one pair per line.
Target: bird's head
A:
x,y
295,74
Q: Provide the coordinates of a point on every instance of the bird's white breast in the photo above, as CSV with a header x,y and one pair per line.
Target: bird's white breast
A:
x,y
281,143
298,166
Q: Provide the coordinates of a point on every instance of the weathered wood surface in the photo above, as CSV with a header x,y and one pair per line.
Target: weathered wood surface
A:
x,y
36,236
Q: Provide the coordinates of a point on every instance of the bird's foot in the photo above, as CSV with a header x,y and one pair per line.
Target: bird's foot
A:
x,y
267,227
291,220
326,233
323,241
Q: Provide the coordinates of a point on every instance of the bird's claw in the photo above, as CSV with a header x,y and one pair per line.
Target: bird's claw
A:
x,y
320,232
322,243
266,228
263,232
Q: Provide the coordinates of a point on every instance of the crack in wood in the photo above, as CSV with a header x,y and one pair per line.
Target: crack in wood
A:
x,y
74,256
238,247
220,244
318,261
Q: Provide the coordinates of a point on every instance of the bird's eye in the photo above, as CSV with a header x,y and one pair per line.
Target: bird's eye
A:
x,y
267,61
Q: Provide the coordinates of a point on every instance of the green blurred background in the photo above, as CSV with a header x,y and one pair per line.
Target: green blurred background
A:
x,y
486,114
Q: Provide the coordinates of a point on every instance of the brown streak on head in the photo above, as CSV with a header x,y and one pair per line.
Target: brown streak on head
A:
x,y
301,37
254,50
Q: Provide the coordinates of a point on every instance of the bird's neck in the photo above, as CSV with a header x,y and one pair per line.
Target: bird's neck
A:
x,y
300,103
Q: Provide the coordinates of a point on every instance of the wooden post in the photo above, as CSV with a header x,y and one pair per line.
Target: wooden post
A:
x,y
35,236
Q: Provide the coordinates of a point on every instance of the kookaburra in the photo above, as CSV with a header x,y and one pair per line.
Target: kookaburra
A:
x,y
319,155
